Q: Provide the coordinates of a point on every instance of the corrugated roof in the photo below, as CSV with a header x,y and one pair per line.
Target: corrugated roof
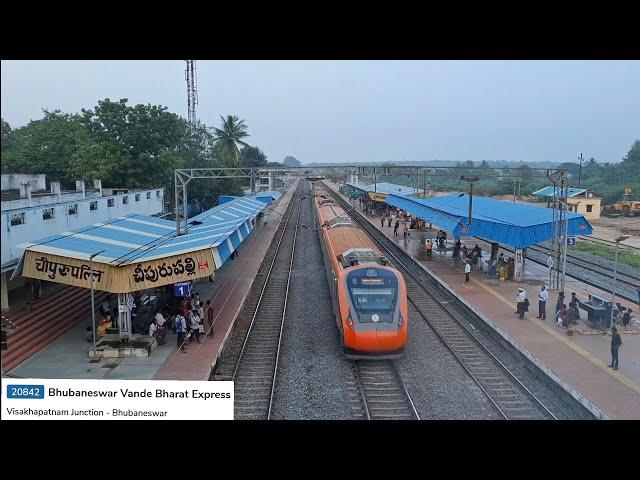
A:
x,y
548,191
264,197
509,223
383,187
136,238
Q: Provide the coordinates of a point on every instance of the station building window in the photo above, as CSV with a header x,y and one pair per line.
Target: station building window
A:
x,y
73,209
589,208
125,200
93,206
148,195
137,197
111,202
48,213
18,219
157,193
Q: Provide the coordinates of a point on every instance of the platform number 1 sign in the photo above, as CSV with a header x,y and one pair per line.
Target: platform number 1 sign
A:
x,y
571,241
182,289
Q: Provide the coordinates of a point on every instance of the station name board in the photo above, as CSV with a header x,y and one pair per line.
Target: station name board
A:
x,y
119,279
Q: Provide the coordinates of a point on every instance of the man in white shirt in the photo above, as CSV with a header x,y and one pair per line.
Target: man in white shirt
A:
x,y
543,296
467,270
522,297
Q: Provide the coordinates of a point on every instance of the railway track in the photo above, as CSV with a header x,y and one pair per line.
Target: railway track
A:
x,y
503,387
383,394
256,368
631,280
622,279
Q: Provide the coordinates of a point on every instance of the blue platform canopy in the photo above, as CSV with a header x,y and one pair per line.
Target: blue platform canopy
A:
x,y
499,221
264,197
383,187
140,238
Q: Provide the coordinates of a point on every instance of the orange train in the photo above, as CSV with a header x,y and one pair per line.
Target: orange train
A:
x,y
369,296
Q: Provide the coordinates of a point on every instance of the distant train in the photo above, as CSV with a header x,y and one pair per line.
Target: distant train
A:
x,y
369,296
314,178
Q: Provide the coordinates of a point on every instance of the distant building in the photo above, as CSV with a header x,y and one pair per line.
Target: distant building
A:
x,y
581,201
29,212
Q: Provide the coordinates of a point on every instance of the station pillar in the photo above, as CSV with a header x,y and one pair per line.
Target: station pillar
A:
x,y
518,273
4,299
270,181
125,302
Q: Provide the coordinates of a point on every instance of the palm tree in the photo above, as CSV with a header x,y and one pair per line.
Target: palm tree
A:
x,y
227,139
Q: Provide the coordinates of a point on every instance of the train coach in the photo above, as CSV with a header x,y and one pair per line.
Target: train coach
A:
x,y
369,295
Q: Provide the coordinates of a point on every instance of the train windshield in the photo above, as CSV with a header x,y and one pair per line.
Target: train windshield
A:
x,y
373,290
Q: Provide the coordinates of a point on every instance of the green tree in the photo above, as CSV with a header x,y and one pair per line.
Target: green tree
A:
x,y
145,142
44,146
228,138
253,156
6,135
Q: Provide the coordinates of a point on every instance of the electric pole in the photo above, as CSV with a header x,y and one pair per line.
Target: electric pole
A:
x,y
580,171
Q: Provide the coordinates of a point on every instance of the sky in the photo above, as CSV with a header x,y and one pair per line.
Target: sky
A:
x,y
367,111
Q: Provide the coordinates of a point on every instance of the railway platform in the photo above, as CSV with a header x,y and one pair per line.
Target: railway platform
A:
x,y
66,357
232,287
580,360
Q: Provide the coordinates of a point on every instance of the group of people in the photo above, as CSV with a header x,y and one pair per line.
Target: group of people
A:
x,y
190,320
393,217
622,315
503,268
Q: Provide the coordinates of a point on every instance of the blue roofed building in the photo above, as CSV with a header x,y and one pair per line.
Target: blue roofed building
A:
x,y
513,224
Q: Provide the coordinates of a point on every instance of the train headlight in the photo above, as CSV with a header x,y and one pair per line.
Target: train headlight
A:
x,y
349,321
400,321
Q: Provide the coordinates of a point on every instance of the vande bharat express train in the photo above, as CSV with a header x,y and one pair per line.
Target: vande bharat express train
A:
x,y
369,296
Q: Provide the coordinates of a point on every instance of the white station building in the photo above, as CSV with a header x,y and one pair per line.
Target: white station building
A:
x,y
29,212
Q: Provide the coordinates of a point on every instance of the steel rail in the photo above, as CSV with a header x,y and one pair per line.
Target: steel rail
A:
x,y
285,222
368,389
284,309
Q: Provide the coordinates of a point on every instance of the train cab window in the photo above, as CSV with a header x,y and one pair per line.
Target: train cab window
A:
x,y
374,294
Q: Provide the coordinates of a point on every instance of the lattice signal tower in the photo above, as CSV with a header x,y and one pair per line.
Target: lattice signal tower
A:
x,y
192,91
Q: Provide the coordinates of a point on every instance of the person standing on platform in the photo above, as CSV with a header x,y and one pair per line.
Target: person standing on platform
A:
x,y
543,296
382,221
522,298
194,323
210,316
181,330
616,342
490,272
395,228
390,219
574,300
467,271
405,230
626,318
559,302
429,247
